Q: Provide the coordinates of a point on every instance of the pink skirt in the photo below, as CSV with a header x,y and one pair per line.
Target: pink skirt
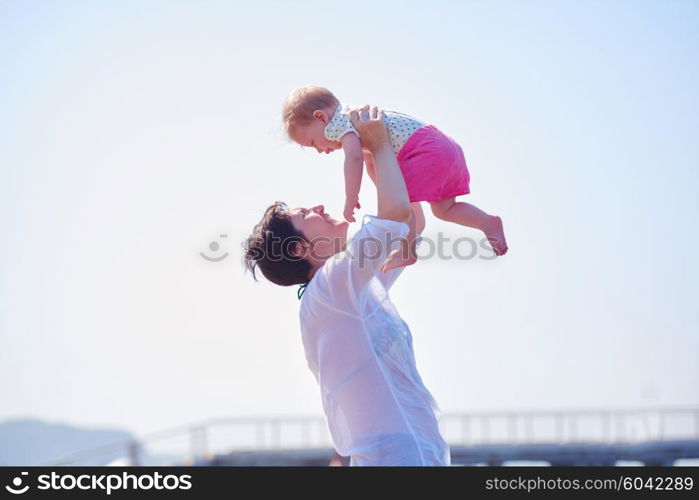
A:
x,y
433,166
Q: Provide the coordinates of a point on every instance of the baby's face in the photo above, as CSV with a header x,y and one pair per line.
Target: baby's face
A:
x,y
313,136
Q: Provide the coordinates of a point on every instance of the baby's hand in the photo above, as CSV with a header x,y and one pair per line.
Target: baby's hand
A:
x,y
350,205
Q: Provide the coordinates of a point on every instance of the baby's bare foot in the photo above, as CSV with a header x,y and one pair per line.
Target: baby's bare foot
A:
x,y
397,259
496,235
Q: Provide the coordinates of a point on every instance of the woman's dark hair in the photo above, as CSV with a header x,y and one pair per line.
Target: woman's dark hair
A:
x,y
269,248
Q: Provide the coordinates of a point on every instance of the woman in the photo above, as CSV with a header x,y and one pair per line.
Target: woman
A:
x,y
356,344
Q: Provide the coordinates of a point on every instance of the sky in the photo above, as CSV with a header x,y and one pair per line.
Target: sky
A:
x,y
133,134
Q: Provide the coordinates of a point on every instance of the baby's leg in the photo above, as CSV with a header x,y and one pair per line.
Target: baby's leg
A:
x,y
472,216
406,254
419,217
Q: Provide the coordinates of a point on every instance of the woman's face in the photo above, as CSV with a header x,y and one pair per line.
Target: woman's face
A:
x,y
325,234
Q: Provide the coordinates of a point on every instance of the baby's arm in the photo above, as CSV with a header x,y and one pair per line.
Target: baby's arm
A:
x,y
354,157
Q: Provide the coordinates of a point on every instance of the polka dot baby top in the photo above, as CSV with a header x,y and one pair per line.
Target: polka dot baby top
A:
x,y
400,126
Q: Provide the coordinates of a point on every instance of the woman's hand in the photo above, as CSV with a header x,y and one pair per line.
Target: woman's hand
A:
x,y
371,127
393,201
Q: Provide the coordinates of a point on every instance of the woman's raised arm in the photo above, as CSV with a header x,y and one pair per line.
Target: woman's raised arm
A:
x,y
393,200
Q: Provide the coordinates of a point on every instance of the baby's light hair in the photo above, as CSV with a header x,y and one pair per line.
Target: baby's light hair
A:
x,y
301,103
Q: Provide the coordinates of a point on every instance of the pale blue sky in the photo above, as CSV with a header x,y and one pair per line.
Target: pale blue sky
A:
x,y
133,133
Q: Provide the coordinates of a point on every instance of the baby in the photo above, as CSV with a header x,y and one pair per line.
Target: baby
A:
x,y
432,163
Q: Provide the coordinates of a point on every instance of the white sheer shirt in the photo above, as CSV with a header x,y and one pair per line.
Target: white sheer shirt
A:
x,y
360,351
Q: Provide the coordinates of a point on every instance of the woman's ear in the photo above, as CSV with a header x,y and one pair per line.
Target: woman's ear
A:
x,y
299,249
321,115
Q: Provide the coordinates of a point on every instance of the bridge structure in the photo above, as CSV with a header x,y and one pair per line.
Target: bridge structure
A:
x,y
649,436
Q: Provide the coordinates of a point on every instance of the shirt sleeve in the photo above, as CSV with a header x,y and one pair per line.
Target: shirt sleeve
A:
x,y
370,248
387,279
339,125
